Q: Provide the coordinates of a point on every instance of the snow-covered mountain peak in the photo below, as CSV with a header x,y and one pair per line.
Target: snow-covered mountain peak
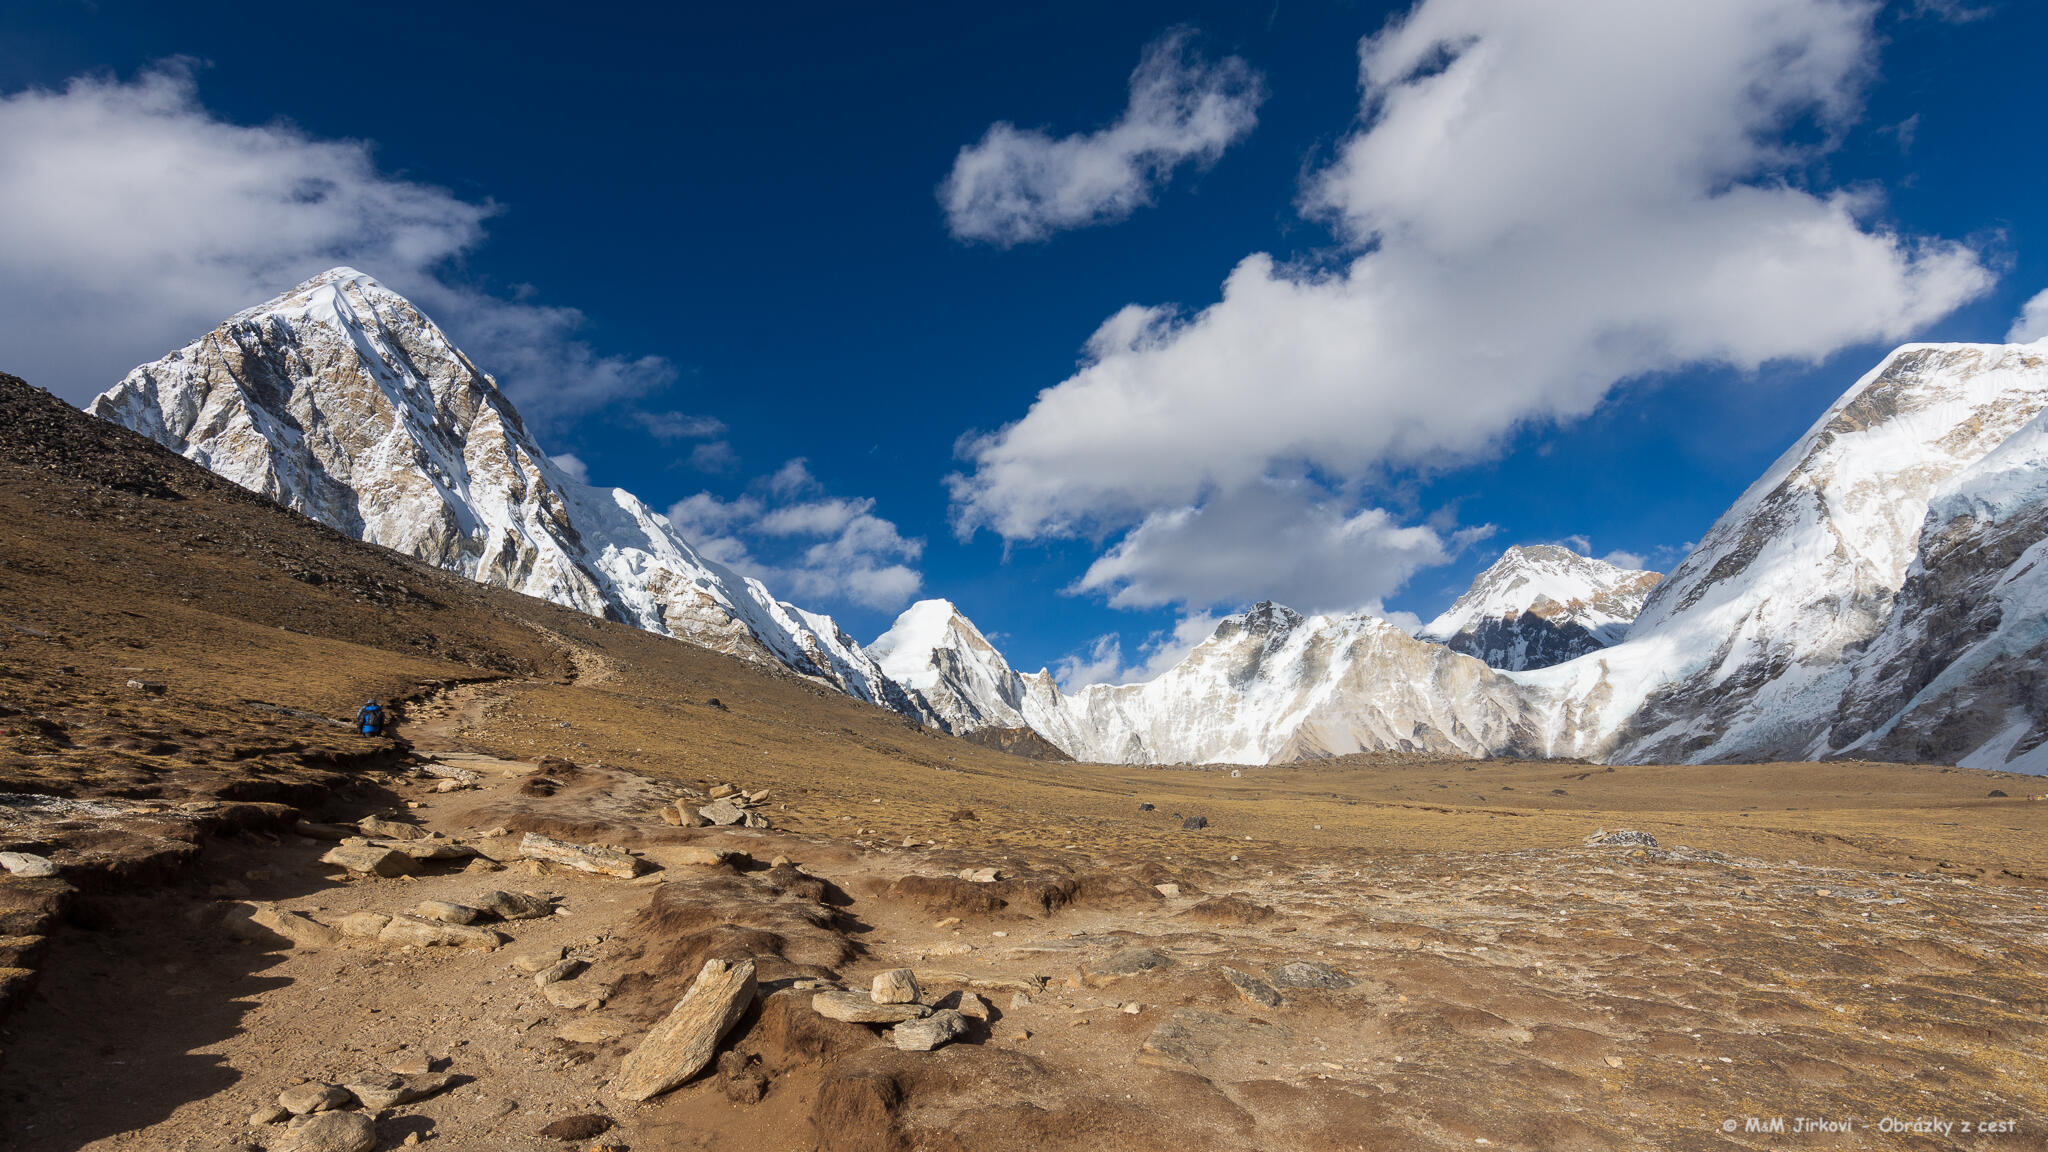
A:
x,y
341,400
1542,604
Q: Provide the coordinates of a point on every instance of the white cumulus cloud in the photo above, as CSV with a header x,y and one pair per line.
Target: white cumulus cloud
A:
x,y
1102,661
1270,540
133,220
1540,202
1018,185
804,544
2032,322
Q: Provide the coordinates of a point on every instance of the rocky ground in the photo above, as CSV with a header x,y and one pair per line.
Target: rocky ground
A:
x,y
216,904
1215,991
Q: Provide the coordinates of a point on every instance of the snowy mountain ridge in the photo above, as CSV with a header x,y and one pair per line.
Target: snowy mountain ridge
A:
x,y
1879,592
342,401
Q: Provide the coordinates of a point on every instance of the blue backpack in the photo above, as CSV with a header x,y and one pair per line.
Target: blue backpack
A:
x,y
371,719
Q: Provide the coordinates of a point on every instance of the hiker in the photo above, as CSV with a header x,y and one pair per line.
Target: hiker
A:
x,y
370,721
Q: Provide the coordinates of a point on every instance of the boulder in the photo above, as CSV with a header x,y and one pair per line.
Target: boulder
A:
x,y
973,1007
331,1132
419,933
1194,823
515,905
856,1008
930,1032
539,961
370,860
896,986
682,1045
582,857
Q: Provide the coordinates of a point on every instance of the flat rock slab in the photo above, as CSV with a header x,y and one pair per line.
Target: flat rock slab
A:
x,y
1129,962
380,1090
331,1132
582,857
265,923
403,930
370,860
378,828
860,1008
576,995
683,1044
723,812
446,912
312,1096
428,849
930,1032
1192,1037
515,905
1309,974
1253,989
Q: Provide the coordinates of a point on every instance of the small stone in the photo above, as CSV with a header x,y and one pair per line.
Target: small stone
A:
x,y
268,1114
948,922
755,820
312,1096
582,857
27,864
973,1006
1612,1061
1170,891
683,1044
481,864
1194,823
559,970
331,1132
723,813
515,905
896,986
449,786
414,1065
760,797
1020,1000
855,1008
150,687
721,791
446,912
670,816
980,875
370,860
378,828
1132,1008
928,1033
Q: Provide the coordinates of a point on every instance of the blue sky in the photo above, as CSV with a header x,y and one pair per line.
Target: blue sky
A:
x,y
745,209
